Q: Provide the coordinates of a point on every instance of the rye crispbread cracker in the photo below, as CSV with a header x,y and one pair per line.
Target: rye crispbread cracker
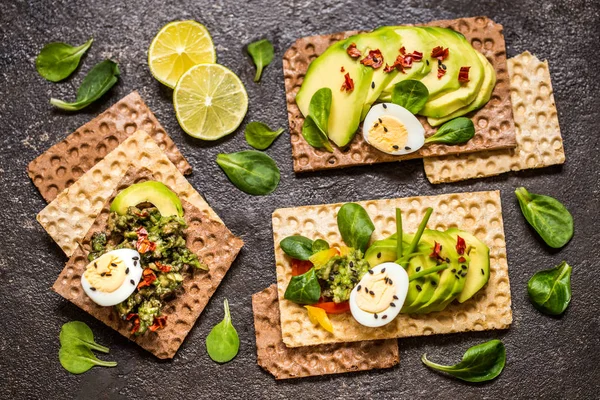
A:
x,y
478,212
284,363
62,164
493,123
539,143
209,239
71,214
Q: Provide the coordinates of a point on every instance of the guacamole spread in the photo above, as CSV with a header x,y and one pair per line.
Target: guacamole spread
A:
x,y
163,255
341,273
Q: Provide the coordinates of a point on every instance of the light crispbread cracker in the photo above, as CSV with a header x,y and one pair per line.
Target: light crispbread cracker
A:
x,y
209,239
59,167
493,122
539,142
478,212
71,214
285,362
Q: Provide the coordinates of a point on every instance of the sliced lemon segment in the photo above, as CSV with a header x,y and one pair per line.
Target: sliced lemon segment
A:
x,y
210,101
177,47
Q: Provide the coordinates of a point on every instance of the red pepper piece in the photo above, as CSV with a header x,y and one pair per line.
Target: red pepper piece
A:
x,y
440,53
147,278
162,267
136,322
461,246
158,323
353,51
348,84
331,307
374,59
463,74
435,252
441,72
300,267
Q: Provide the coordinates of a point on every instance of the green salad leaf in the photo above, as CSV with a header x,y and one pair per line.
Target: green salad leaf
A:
x,y
97,82
298,247
410,94
480,363
78,333
456,131
304,289
548,216
223,343
550,290
250,171
57,60
262,53
314,129
319,245
355,226
260,136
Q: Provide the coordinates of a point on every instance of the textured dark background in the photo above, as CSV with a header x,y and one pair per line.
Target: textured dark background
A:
x,y
547,357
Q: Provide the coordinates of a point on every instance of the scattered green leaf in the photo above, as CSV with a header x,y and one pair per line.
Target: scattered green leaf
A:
x,y
260,136
298,247
480,363
355,226
456,131
97,82
304,289
550,290
314,129
78,359
57,60
250,171
319,245
223,343
77,332
262,53
410,94
551,220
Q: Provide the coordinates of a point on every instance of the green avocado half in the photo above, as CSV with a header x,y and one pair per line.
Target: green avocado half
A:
x,y
153,192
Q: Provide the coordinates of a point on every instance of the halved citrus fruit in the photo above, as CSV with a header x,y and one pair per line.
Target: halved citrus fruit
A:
x,y
210,101
177,47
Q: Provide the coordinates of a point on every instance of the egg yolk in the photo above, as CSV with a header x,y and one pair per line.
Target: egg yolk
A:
x,y
376,294
106,274
388,134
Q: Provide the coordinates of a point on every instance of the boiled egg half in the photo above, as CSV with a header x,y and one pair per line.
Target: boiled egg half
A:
x,y
112,277
393,129
379,296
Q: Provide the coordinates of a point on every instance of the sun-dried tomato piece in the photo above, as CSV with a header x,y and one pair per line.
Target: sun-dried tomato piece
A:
x,y
388,68
348,84
136,322
461,245
402,50
417,56
374,59
148,277
405,61
158,323
353,51
342,70
435,252
441,72
162,267
463,74
440,53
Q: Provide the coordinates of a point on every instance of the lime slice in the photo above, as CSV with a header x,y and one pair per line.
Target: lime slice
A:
x,y
210,101
177,47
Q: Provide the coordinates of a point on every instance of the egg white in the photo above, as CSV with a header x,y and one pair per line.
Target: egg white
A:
x,y
400,279
126,289
416,132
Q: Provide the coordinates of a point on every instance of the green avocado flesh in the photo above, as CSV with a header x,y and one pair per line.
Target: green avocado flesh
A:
x,y
153,192
448,97
384,250
346,107
479,267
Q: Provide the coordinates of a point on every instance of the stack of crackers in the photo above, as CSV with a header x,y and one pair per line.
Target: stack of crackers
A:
x,y
80,176
517,129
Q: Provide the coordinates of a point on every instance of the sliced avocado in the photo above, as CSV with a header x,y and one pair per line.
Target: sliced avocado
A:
x,y
412,39
384,250
479,267
447,288
388,42
346,107
416,288
153,192
485,92
461,54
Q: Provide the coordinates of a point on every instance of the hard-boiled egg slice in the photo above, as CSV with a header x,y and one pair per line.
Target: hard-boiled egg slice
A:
x,y
379,296
393,129
112,277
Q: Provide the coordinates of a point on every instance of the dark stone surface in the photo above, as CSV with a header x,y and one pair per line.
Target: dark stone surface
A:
x,y
547,357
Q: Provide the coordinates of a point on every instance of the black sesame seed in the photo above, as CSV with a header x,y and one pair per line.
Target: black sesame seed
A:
x,y
396,147
433,284
463,266
386,279
134,263
463,274
418,288
376,124
372,85
132,282
457,276
371,271
371,293
93,288
113,264
418,269
427,61
358,288
127,271
392,305
482,273
366,290
384,317
384,105
380,121
95,265
103,274
375,315
441,246
107,274
447,260
406,148
453,269
395,297
351,264
385,129
390,281
444,67
439,62
378,255
382,270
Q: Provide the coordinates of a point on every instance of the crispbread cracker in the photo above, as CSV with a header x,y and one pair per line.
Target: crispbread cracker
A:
x,y
539,143
210,240
70,215
62,164
284,362
478,212
494,122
